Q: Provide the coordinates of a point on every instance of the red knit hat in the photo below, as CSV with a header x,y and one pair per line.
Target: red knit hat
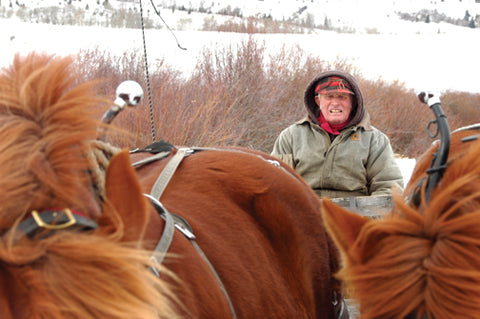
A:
x,y
333,84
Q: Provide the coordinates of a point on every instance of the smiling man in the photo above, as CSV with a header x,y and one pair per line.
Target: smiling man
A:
x,y
335,148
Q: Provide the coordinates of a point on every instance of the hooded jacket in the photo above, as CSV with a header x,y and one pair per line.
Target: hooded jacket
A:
x,y
358,162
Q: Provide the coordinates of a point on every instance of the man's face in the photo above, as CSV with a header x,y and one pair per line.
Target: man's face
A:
x,y
335,107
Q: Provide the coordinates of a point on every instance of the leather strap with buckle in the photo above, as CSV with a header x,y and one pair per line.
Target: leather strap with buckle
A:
x,y
55,219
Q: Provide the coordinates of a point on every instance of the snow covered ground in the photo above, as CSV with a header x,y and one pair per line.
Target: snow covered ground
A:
x,y
63,40
425,60
424,56
406,166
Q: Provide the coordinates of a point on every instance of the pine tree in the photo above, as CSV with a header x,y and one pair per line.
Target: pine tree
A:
x,y
472,23
326,24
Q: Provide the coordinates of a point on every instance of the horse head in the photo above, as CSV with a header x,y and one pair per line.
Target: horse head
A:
x,y
423,258
70,244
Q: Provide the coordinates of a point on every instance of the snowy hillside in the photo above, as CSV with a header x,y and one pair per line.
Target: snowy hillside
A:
x,y
355,16
423,55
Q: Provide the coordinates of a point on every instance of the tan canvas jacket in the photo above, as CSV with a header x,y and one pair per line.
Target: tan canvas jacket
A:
x,y
359,161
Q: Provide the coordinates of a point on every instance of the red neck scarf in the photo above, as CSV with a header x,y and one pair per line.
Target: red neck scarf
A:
x,y
330,128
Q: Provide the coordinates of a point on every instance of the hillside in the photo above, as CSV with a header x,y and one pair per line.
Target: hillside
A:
x,y
421,55
293,16
255,74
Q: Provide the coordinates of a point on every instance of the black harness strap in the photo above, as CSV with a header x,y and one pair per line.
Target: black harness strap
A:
x,y
53,220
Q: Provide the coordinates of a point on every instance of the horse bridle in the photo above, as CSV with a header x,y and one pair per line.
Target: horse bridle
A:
x,y
43,224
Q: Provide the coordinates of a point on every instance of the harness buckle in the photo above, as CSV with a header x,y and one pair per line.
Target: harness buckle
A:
x,y
188,151
67,212
185,231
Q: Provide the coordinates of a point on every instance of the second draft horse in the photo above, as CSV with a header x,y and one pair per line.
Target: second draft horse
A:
x,y
423,259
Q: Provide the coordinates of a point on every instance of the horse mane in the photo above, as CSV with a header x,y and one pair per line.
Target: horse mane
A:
x,y
47,123
425,260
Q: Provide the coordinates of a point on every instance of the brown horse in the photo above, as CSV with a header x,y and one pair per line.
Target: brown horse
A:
x,y
422,260
97,268
77,236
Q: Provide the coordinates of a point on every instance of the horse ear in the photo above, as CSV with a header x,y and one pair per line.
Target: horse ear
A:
x,y
343,225
124,193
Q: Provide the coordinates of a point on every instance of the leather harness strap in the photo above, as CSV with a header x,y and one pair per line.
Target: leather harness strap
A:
x,y
54,219
167,173
167,235
175,221
150,159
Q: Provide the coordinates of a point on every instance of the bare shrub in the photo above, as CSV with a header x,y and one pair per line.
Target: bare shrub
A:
x,y
242,96
252,25
398,113
111,70
209,24
463,108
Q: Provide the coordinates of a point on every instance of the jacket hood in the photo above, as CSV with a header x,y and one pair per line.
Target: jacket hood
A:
x,y
358,109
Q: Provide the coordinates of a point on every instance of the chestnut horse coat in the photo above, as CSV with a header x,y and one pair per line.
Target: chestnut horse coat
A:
x,y
259,225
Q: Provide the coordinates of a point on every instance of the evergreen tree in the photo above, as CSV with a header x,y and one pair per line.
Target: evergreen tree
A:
x,y
326,24
472,23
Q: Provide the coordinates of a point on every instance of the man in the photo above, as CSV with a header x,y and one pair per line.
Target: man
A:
x,y
335,149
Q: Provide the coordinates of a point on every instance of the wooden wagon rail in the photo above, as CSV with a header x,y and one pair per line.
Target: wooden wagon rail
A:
x,y
369,206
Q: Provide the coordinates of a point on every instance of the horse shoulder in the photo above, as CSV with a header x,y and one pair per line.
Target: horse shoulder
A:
x,y
258,223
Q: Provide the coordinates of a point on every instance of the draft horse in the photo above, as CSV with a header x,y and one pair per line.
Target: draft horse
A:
x,y
78,228
422,260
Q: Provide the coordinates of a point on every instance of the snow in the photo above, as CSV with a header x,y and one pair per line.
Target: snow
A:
x,y
436,62
406,167
423,56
